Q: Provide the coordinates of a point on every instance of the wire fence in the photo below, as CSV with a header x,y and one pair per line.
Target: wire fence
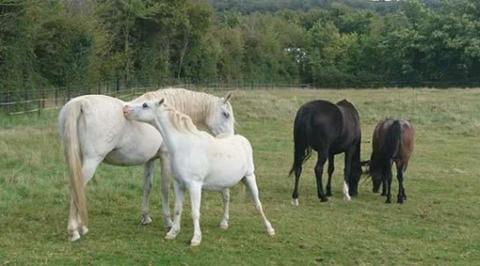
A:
x,y
18,102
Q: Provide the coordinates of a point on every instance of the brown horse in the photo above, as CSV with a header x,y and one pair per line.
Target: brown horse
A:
x,y
393,141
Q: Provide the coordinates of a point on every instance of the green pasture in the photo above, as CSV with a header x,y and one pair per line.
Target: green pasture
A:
x,y
438,224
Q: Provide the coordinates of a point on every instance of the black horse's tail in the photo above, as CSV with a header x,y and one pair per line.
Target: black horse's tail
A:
x,y
302,149
393,141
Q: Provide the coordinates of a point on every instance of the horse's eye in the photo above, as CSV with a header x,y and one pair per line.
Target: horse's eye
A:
x,y
144,105
226,115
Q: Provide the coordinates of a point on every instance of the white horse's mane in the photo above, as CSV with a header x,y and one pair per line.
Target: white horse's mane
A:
x,y
180,121
195,105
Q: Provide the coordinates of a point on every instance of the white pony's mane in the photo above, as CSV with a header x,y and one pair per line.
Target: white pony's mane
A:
x,y
180,121
196,105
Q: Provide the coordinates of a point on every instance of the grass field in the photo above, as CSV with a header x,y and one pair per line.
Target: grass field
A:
x,y
439,224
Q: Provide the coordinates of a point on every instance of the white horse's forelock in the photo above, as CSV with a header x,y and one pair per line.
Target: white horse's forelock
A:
x,y
197,105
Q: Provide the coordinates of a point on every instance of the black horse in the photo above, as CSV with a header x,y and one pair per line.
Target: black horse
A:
x,y
328,129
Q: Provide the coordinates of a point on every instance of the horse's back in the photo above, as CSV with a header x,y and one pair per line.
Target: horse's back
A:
x,y
350,119
322,116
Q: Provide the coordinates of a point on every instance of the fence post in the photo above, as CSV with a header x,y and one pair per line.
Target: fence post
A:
x,y
39,103
56,97
43,97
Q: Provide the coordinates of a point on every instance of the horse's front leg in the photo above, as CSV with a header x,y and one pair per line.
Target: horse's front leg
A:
x,y
195,190
147,187
226,203
165,187
346,175
388,177
179,197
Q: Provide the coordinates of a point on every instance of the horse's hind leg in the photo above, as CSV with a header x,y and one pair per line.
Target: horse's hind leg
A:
x,y
226,203
318,174
331,168
147,187
401,190
252,186
76,226
388,177
165,187
298,172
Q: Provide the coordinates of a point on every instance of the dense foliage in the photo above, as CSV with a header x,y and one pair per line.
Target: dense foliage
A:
x,y
82,43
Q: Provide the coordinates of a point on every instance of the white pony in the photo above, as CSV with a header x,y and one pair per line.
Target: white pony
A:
x,y
94,130
199,161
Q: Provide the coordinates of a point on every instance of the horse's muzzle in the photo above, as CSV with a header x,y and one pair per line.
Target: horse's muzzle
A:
x,y
126,109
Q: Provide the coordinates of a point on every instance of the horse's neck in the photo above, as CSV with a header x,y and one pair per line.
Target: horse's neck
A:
x,y
172,137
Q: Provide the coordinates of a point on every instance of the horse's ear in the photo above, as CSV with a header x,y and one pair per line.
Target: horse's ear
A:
x,y
161,101
229,95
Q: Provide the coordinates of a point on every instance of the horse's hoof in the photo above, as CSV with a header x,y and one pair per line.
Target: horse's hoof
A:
x,y
224,225
74,236
271,232
295,202
146,219
195,242
400,200
347,198
83,230
170,236
329,194
388,201
324,199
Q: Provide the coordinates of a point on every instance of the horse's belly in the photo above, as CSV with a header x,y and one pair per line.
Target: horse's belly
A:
x,y
124,157
224,177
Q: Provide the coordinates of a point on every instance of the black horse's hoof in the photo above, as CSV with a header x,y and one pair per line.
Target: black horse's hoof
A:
x,y
329,194
388,201
324,199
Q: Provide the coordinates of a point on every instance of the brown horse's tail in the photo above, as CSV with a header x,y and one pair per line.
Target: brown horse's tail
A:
x,y
393,141
302,150
73,158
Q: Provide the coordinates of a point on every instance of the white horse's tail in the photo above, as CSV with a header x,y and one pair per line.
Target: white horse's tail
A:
x,y
73,158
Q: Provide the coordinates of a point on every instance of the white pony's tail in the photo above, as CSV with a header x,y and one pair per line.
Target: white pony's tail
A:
x,y
73,158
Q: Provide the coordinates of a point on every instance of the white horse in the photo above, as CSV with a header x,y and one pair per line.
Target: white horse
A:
x,y
94,130
199,161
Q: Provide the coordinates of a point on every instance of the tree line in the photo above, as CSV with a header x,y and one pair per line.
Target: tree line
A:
x,y
83,43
